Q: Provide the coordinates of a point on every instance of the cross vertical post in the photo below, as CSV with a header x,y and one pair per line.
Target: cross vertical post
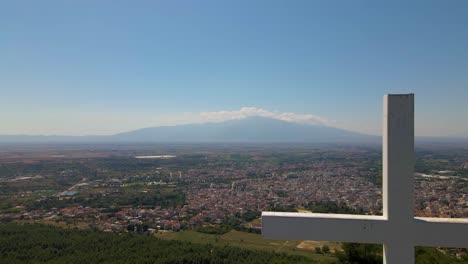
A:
x,y
398,171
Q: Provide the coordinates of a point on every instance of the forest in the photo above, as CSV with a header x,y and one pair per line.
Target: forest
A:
x,y
40,243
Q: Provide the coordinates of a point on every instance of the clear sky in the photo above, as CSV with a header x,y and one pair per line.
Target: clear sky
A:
x,y
100,67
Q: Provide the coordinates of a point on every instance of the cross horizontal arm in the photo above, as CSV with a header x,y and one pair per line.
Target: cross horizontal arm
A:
x,y
441,232
327,227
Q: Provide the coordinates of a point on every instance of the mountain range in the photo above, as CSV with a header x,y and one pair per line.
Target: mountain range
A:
x,y
249,130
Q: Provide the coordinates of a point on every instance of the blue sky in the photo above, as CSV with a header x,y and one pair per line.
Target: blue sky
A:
x,y
100,67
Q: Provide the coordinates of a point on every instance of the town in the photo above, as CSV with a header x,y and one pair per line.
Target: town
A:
x,y
213,186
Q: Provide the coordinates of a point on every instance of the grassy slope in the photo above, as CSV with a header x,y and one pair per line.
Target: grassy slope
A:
x,y
246,240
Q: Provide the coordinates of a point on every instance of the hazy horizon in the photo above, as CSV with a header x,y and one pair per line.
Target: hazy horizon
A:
x,y
286,128
100,68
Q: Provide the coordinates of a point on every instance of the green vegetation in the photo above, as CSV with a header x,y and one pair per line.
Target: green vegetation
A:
x,y
248,216
282,209
430,161
248,241
164,197
330,207
361,253
232,224
213,230
318,250
426,255
37,243
372,254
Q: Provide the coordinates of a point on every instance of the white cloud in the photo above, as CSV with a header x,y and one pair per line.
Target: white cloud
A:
x,y
245,112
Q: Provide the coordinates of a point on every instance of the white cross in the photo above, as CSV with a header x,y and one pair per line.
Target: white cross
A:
x,y
397,229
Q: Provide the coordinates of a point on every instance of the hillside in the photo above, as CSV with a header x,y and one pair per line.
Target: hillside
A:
x,y
37,243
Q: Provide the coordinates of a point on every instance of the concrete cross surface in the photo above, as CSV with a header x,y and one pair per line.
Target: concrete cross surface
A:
x,y
397,229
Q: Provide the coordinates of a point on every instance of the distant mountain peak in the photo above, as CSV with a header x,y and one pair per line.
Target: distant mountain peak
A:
x,y
249,129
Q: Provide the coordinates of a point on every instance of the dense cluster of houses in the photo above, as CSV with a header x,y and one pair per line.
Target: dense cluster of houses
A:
x,y
215,195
